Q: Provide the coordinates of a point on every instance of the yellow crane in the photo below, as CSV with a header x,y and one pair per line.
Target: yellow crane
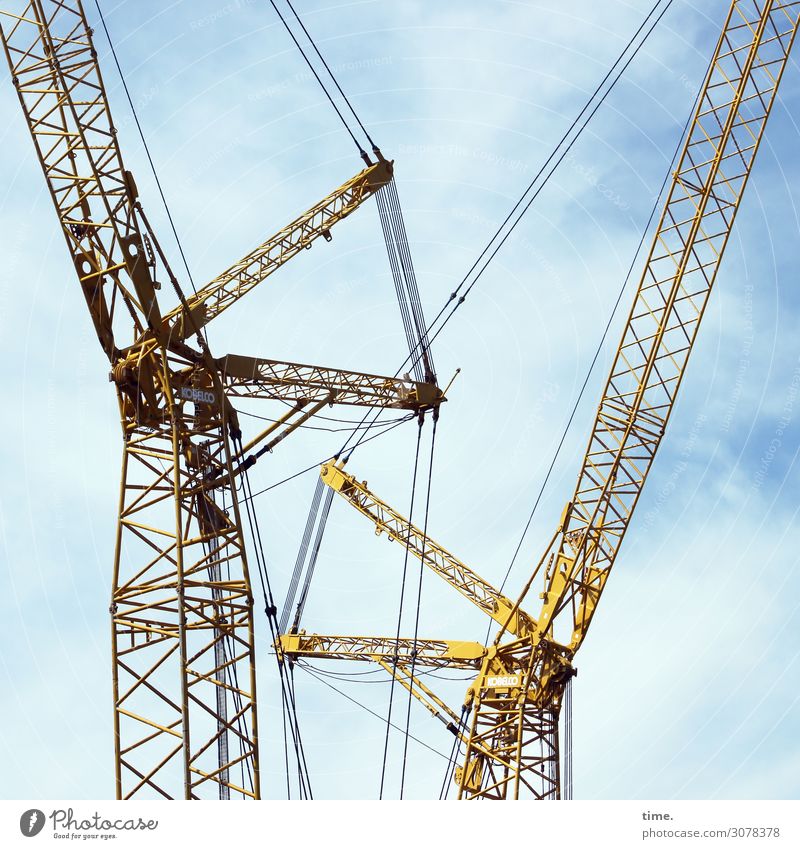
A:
x,y
511,742
184,683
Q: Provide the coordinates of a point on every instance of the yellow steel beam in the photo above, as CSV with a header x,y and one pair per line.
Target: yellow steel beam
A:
x,y
479,591
429,653
425,696
254,377
242,277
513,748
658,337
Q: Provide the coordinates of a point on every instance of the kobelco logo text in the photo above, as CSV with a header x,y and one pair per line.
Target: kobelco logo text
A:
x,y
503,681
189,393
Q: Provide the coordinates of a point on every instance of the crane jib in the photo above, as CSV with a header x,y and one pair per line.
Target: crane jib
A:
x,y
185,718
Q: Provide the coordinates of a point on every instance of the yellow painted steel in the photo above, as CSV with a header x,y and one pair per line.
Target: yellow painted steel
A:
x,y
252,377
182,630
182,603
248,272
432,654
512,746
437,558
424,695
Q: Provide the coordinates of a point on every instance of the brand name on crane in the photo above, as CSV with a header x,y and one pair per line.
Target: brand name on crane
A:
x,y
503,680
189,393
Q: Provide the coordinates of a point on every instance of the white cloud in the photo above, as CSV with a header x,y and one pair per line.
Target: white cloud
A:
x,y
684,685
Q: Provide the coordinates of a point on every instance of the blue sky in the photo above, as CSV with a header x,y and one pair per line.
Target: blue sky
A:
x,y
686,685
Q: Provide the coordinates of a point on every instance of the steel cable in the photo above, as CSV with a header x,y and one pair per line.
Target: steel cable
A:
x,y
368,709
418,606
332,76
301,557
600,344
313,70
400,611
454,295
146,148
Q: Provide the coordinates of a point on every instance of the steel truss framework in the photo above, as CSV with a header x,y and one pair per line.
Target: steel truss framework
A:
x,y
182,604
512,746
184,682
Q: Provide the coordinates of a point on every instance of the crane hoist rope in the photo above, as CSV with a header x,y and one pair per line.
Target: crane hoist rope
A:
x,y
174,617
344,425
314,673
391,216
602,340
302,561
548,168
316,465
288,701
365,427
512,744
362,153
183,640
423,338
408,298
400,605
619,65
360,440
332,76
146,146
286,676
418,605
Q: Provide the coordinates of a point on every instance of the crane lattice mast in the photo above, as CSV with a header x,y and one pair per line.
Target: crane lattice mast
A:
x,y
184,683
512,743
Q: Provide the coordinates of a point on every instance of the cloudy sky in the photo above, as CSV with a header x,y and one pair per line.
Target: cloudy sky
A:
x,y
687,683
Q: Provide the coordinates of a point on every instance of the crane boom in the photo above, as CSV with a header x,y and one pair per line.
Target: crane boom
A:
x,y
397,656
254,377
437,558
512,746
182,615
704,195
183,645
242,277
60,88
433,654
